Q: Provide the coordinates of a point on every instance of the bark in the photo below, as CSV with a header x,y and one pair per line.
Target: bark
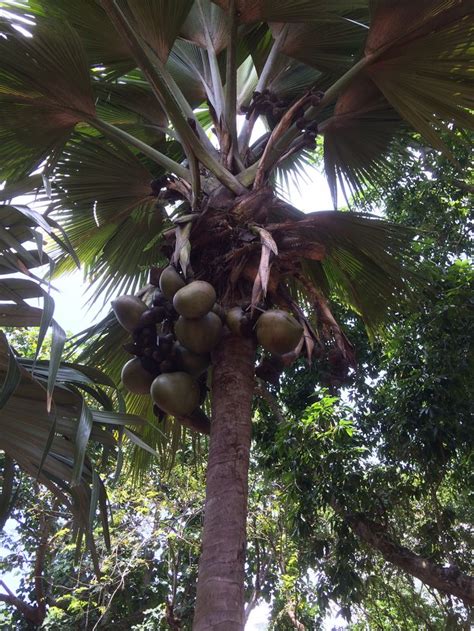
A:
x,y
30,613
7,490
449,580
291,612
220,589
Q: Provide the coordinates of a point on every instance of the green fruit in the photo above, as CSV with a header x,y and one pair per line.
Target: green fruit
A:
x,y
233,319
194,300
135,378
219,310
190,362
278,331
177,393
199,336
128,311
170,282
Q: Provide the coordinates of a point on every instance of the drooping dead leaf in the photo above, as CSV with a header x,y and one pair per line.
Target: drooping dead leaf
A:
x,y
182,250
260,285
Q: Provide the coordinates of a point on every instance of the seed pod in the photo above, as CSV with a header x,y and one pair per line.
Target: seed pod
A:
x,y
194,300
170,282
278,331
177,393
190,362
128,311
200,335
159,299
147,318
135,378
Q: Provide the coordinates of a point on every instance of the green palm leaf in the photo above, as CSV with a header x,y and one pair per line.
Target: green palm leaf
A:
x,y
368,263
358,138
420,60
290,10
216,22
159,22
45,89
44,444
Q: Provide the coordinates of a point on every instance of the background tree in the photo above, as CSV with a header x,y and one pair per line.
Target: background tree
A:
x,y
73,98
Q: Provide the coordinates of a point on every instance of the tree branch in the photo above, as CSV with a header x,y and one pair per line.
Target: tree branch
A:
x,y
197,421
262,392
29,612
449,580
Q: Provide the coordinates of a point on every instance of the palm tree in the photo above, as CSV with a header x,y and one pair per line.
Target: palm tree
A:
x,y
107,96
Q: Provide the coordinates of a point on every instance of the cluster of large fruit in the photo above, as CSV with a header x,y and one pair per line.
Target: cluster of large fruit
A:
x,y
172,340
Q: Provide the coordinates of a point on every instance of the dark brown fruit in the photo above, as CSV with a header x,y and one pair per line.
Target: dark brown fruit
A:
x,y
147,318
278,331
177,393
159,299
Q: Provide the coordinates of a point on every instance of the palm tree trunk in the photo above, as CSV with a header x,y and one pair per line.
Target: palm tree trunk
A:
x,y
220,589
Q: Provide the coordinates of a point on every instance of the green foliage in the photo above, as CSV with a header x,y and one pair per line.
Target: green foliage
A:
x,y
105,100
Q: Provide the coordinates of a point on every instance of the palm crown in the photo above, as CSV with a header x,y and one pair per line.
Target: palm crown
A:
x,y
131,110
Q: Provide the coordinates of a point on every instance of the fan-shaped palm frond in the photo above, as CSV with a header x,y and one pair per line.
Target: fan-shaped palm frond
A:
x,y
52,446
216,22
45,89
366,262
45,421
290,10
159,22
358,138
418,69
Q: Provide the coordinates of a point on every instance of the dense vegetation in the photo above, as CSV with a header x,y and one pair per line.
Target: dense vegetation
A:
x,y
392,454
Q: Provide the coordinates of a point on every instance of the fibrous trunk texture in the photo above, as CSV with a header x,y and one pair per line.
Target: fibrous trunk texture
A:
x,y
220,590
